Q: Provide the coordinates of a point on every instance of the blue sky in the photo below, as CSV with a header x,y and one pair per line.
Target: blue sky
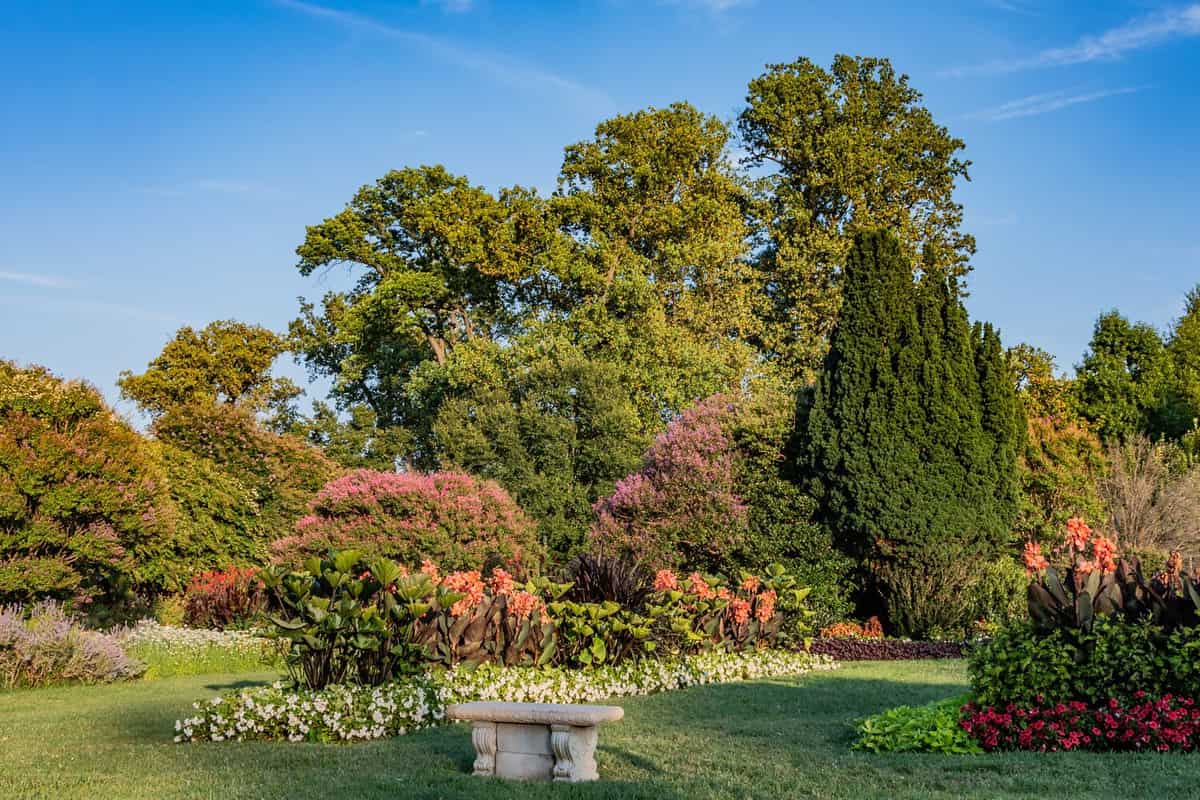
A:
x,y
159,160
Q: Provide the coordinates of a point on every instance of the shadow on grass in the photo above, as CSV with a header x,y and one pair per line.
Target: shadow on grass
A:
x,y
234,685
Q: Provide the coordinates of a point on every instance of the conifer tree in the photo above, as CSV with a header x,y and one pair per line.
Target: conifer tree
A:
x,y
914,432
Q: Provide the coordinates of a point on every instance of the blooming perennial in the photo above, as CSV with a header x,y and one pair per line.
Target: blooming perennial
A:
x,y
351,713
1164,724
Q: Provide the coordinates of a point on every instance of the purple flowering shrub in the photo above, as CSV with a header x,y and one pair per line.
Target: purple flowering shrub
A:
x,y
43,646
682,507
453,519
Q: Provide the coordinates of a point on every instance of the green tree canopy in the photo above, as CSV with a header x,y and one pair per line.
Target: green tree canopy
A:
x,y
851,149
224,362
1126,384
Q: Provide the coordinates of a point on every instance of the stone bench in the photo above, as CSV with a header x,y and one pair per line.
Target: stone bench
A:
x,y
535,741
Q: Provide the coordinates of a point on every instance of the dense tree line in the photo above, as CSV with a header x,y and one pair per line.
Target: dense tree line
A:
x,y
679,356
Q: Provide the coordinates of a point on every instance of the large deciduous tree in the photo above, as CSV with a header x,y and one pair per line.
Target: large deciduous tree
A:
x,y
1125,384
849,149
225,362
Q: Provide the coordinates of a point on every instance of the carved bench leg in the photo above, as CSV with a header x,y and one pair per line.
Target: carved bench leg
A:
x,y
574,753
483,736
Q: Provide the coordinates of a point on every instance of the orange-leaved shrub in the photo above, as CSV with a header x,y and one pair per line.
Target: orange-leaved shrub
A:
x,y
451,518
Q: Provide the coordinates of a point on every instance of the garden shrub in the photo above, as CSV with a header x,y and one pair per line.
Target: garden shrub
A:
x,y
597,578
84,514
453,519
42,645
219,521
280,472
342,713
1113,658
222,599
931,728
716,493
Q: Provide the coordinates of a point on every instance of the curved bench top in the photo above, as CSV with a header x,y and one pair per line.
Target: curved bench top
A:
x,y
536,713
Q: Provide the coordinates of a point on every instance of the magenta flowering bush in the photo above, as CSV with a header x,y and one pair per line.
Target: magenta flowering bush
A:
x,y
453,519
1164,724
682,506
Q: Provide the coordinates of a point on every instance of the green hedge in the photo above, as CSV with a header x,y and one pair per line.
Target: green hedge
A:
x,y
1112,659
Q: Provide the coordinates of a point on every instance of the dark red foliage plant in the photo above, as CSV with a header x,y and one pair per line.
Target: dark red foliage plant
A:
x,y
228,598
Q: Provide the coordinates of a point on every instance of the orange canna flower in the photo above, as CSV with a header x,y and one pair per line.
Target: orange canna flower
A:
x,y
1078,533
665,581
1034,560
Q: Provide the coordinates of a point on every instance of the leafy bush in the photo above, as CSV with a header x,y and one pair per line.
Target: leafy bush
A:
x,y
450,518
1161,724
931,728
998,595
931,596
279,472
347,618
349,713
597,578
169,650
222,599
884,649
43,645
1112,658
84,514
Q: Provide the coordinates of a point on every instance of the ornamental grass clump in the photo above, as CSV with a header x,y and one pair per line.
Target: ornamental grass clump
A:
x,y
42,646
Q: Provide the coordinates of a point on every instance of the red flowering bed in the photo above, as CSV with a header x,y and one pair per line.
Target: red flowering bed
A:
x,y
1165,724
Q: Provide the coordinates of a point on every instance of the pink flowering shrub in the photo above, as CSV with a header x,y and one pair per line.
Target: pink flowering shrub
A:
x,y
1168,723
450,518
682,507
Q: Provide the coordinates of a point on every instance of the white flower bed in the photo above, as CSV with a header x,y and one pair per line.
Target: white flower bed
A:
x,y
150,632
350,713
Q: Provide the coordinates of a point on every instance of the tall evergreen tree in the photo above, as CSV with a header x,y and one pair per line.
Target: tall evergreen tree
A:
x,y
913,435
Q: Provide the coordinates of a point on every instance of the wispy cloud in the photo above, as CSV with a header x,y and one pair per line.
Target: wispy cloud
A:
x,y
1045,103
715,6
521,76
1137,34
453,6
98,308
41,281
1011,6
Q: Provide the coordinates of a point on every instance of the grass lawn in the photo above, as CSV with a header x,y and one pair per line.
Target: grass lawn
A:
x,y
769,739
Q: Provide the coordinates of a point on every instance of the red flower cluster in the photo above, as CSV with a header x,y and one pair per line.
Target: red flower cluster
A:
x,y
1164,724
223,598
1078,533
699,587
